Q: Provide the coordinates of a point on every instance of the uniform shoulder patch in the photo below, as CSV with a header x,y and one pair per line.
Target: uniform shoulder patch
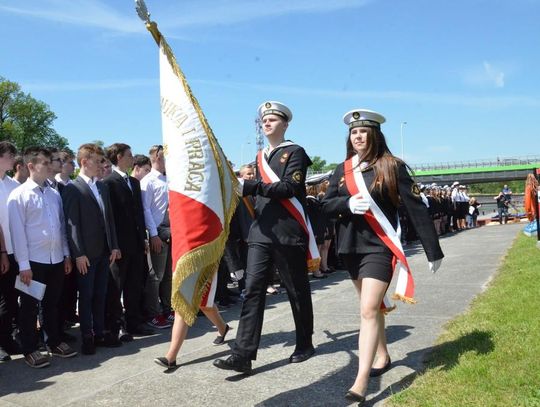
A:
x,y
341,181
415,189
284,157
298,176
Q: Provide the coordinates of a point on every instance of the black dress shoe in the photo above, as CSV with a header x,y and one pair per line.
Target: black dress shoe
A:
x,y
220,340
87,346
234,362
124,335
163,361
377,371
352,396
301,355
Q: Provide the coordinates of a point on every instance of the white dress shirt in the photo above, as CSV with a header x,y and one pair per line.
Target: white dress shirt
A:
x,y
155,199
7,184
36,220
59,179
93,187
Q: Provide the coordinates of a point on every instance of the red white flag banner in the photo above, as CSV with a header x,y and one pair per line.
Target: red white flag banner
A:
x,y
202,197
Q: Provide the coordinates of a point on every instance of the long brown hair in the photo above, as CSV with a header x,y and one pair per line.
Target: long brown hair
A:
x,y
385,165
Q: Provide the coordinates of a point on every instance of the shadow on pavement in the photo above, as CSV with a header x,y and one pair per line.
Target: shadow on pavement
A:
x,y
330,389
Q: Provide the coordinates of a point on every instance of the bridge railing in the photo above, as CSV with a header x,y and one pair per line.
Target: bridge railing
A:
x,y
497,162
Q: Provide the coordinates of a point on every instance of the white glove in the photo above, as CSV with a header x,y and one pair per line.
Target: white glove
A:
x,y
240,187
434,266
358,205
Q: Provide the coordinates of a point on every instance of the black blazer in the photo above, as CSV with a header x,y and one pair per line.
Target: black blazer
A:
x,y
273,223
89,232
354,233
128,212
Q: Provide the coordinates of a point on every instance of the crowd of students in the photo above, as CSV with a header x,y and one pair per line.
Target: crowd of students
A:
x,y
99,241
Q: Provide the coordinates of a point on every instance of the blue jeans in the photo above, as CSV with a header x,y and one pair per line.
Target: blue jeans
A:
x,y
92,293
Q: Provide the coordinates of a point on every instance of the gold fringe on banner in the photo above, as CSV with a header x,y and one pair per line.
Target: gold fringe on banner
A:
x,y
400,297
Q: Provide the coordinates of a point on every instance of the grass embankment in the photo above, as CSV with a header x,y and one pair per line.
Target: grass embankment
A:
x,y
489,356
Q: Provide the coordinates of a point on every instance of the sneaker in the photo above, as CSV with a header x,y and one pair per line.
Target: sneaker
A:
x,y
36,360
63,350
159,322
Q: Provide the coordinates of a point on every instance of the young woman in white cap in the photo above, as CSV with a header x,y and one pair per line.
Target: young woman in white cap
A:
x,y
364,194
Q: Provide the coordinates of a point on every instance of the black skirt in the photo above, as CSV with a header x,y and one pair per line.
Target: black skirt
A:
x,y
370,265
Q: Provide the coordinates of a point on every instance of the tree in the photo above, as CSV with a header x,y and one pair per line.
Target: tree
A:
x,y
26,121
318,164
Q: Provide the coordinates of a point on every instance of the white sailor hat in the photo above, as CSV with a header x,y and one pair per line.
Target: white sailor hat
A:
x,y
454,184
363,118
272,107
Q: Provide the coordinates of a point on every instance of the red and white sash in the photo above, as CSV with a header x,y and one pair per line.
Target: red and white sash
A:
x,y
294,207
382,227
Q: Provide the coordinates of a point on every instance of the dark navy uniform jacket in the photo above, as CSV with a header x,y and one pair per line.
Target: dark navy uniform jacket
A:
x,y
273,223
354,233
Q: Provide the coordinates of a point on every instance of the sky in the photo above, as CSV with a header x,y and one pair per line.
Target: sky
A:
x,y
456,81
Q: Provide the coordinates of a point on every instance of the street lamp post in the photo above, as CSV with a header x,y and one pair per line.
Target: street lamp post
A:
x,y
242,152
402,124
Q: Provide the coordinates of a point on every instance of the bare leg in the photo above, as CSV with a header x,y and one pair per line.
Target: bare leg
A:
x,y
212,313
370,322
178,335
382,349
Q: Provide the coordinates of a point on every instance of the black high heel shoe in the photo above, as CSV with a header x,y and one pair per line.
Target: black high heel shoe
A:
x,y
352,396
378,371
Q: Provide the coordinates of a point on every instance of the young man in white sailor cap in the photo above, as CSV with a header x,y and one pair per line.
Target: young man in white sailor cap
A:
x,y
276,237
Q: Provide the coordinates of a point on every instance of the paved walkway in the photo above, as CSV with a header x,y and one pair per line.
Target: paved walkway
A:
x,y
127,376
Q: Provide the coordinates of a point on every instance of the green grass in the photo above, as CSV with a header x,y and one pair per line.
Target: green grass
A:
x,y
489,356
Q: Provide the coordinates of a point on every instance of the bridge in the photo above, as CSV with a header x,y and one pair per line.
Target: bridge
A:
x,y
466,172
477,171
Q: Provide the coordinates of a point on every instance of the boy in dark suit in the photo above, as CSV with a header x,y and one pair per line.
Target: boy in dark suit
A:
x,y
128,274
92,239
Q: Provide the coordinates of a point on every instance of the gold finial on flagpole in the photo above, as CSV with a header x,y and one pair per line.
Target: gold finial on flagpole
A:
x,y
142,11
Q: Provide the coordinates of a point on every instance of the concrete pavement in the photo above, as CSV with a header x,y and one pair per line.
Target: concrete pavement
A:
x,y
127,376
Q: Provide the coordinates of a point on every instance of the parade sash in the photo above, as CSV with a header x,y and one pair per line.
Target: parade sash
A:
x,y
294,207
201,183
382,227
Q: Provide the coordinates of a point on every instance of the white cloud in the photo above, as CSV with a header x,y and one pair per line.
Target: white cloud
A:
x,y
486,75
477,101
90,13
494,75
97,13
488,102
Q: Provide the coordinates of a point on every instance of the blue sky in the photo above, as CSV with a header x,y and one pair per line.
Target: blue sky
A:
x,y
462,74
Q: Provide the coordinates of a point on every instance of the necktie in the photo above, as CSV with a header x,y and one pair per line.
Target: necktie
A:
x,y
126,178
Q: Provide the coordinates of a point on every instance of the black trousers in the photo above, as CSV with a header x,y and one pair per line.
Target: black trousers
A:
x,y
291,262
51,275
67,307
128,276
8,301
